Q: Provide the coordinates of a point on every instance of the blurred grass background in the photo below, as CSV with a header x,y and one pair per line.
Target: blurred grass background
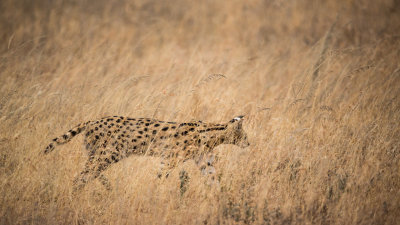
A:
x,y
318,81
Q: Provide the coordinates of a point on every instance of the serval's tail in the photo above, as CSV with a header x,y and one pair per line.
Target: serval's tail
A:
x,y
66,137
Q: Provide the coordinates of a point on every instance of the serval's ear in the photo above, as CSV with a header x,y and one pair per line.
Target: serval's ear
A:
x,y
237,119
237,122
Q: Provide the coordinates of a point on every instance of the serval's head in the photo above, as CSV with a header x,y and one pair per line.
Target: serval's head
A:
x,y
235,133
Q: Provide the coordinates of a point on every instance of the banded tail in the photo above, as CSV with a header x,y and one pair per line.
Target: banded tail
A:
x,y
65,138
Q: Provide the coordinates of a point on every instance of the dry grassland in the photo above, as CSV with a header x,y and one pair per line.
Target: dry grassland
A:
x,y
318,81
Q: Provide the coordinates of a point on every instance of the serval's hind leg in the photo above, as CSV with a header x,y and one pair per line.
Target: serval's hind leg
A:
x,y
105,182
93,168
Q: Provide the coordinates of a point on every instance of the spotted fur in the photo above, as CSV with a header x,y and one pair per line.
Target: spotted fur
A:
x,y
111,139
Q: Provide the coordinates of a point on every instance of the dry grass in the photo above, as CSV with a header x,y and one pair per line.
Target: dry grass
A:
x,y
319,82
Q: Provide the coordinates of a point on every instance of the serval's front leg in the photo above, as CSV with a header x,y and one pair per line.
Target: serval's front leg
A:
x,y
174,157
205,163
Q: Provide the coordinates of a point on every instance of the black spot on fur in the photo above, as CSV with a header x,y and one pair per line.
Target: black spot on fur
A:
x,y
140,132
139,136
145,129
113,157
173,127
157,125
147,124
165,129
176,135
97,136
55,139
143,143
134,140
154,131
73,133
65,137
96,128
118,120
184,133
191,129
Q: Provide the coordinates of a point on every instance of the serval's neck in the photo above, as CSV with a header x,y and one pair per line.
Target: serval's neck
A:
x,y
213,135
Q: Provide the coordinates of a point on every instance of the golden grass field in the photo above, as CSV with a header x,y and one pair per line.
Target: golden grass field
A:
x,y
318,82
